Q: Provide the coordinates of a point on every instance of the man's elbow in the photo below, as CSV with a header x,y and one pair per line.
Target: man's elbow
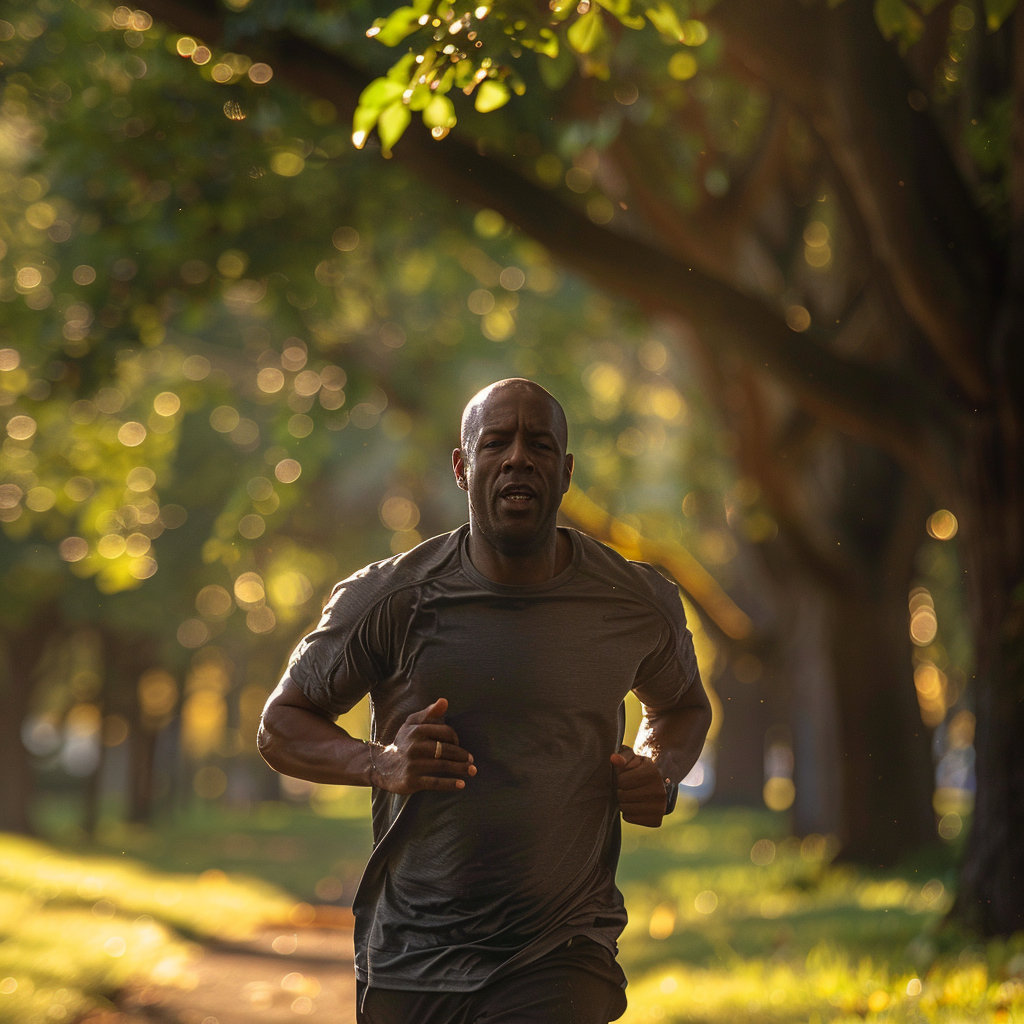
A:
x,y
267,743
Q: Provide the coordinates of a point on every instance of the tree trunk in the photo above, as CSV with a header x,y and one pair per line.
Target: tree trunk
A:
x,y
887,766
813,711
128,657
16,792
888,770
140,793
23,650
991,896
739,754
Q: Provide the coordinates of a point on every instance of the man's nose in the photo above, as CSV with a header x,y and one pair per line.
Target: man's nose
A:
x,y
518,455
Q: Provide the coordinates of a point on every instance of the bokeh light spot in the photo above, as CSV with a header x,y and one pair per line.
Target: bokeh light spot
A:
x,y
131,434
21,428
779,794
798,318
249,589
706,902
288,471
141,479
663,921
167,403
942,525
73,549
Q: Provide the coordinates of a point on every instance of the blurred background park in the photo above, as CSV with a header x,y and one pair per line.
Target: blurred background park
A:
x,y
763,254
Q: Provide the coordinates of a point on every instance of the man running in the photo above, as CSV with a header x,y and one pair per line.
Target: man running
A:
x,y
496,658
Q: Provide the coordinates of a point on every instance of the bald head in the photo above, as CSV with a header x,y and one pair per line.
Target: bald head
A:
x,y
475,413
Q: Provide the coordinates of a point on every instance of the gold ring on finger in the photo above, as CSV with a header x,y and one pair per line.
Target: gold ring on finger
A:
x,y
437,749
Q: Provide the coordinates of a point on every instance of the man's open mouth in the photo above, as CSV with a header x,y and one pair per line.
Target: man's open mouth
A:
x,y
518,494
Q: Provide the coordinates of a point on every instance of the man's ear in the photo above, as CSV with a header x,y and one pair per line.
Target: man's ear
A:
x,y
567,478
459,466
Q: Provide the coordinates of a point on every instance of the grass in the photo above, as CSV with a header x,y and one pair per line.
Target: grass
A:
x,y
75,929
730,920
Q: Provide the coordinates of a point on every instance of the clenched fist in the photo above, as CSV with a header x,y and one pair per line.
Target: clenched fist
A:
x,y
642,796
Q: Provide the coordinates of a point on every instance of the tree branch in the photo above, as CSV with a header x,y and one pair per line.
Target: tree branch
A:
x,y
699,584
873,403
834,66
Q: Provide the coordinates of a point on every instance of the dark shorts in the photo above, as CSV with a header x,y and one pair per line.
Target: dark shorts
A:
x,y
562,988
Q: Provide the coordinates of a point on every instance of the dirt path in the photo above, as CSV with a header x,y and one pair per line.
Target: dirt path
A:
x,y
279,977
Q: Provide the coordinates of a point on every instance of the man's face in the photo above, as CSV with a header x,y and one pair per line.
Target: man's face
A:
x,y
515,469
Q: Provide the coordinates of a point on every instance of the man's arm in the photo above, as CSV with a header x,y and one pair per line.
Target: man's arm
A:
x,y
667,747
298,738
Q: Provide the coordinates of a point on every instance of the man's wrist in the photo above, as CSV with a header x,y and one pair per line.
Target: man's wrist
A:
x,y
372,771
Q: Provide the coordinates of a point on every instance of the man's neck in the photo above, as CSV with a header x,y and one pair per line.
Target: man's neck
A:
x,y
537,566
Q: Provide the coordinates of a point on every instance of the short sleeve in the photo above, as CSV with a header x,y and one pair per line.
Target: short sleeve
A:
x,y
338,663
671,668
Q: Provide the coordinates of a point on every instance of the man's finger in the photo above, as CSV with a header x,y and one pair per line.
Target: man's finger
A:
x,y
623,763
435,782
639,775
432,713
439,750
433,732
653,806
441,766
648,820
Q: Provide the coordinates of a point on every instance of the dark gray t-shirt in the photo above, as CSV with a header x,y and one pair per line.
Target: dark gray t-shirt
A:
x,y
463,887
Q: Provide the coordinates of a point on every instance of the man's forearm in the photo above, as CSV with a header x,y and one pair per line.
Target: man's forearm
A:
x,y
308,745
673,739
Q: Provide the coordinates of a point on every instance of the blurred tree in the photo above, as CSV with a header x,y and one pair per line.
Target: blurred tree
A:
x,y
905,127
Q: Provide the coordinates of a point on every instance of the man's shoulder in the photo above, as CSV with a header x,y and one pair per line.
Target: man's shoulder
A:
x,y
428,560
641,578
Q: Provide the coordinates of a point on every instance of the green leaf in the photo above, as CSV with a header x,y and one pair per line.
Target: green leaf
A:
x,y
362,124
380,93
666,21
439,113
896,19
587,32
561,9
391,124
421,97
491,95
620,9
556,72
398,25
402,69
997,11
547,43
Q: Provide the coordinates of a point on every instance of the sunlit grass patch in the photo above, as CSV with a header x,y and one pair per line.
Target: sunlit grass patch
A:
x,y
74,930
210,904
827,986
731,920
56,961
728,885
